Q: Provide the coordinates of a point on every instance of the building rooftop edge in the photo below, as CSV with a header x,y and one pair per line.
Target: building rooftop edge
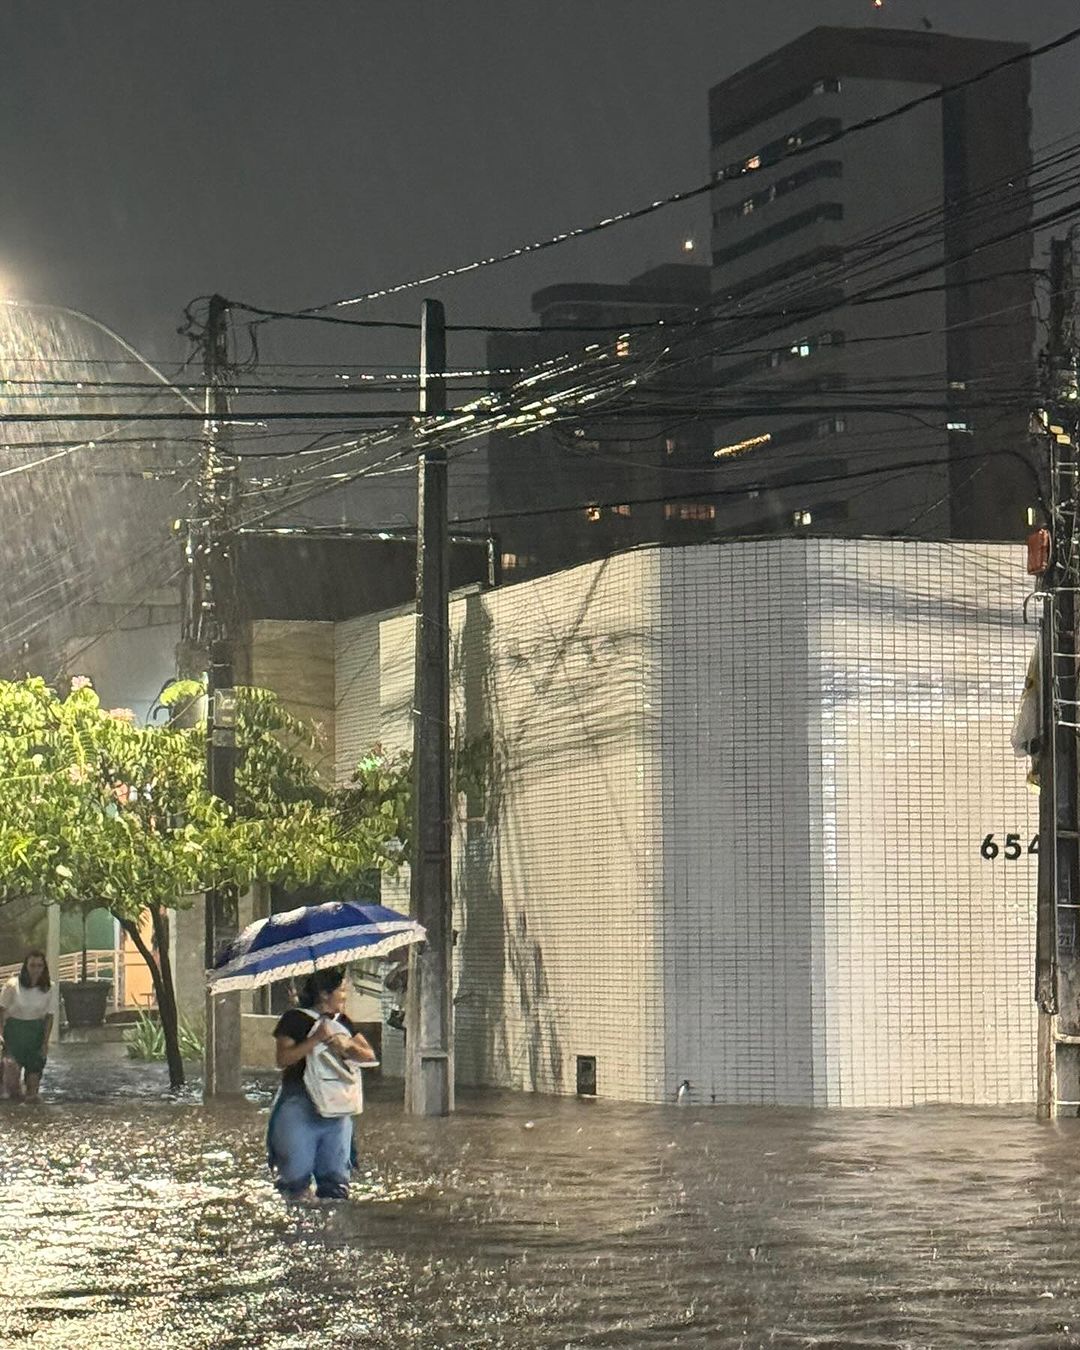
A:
x,y
899,54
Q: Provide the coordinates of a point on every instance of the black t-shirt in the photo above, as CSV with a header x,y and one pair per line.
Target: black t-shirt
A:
x,y
297,1025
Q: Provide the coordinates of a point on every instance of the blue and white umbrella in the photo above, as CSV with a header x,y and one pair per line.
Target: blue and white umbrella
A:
x,y
308,939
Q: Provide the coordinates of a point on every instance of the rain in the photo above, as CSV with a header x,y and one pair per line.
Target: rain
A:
x,y
554,474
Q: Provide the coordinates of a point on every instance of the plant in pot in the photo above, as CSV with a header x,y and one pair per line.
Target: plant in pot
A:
x,y
85,1000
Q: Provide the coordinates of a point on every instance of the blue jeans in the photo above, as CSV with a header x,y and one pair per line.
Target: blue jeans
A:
x,y
303,1144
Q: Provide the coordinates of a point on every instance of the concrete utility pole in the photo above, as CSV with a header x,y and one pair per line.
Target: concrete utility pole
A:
x,y
429,1057
216,627
1057,970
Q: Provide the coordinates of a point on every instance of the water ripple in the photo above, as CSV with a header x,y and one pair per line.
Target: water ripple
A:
x,y
136,1219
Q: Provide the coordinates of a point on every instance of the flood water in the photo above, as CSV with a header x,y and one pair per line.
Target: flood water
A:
x,y
130,1220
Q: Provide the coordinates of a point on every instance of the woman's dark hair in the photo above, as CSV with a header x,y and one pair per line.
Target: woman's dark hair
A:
x,y
322,982
44,982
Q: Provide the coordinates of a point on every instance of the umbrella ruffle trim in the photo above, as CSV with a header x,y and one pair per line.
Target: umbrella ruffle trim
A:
x,y
245,952
228,980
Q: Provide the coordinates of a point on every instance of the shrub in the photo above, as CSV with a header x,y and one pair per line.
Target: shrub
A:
x,y
145,1040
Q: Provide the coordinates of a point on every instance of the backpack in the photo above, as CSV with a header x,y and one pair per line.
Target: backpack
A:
x,y
335,1087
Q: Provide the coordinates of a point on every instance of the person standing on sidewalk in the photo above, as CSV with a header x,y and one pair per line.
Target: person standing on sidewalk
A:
x,y
26,1023
301,1143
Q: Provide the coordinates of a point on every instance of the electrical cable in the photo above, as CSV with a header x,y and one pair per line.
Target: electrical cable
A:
x,y
724,175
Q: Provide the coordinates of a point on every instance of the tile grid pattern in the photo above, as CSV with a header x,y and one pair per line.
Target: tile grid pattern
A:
x,y
834,738
929,947
732,830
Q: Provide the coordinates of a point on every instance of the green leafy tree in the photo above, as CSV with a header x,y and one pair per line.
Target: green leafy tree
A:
x,y
96,810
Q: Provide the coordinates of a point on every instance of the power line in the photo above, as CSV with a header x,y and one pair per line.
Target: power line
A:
x,y
497,412
724,175
759,486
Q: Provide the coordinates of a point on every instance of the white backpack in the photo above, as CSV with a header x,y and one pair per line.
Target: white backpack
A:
x,y
334,1086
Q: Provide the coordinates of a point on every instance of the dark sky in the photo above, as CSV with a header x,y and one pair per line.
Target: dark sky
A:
x,y
293,151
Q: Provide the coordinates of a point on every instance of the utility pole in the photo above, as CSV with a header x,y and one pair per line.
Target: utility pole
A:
x,y
429,1067
1057,966
216,628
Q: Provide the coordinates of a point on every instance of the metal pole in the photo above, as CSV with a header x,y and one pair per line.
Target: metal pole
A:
x,y
429,1068
222,1043
1057,931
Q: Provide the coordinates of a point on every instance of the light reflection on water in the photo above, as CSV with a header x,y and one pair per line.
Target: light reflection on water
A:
x,y
148,1221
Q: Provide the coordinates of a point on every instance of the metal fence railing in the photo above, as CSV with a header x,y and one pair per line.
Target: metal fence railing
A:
x,y
105,964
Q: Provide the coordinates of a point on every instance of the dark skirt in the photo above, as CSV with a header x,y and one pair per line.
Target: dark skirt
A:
x,y
23,1041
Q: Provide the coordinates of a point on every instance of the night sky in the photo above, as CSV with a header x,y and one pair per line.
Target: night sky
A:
x,y
288,153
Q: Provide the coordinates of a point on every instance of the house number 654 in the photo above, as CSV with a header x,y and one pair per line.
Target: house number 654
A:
x,y
1010,850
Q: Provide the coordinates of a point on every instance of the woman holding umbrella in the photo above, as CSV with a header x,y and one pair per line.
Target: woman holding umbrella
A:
x,y
309,1133
302,1143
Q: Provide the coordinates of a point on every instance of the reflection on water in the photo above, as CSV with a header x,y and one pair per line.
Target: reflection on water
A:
x,y
143,1221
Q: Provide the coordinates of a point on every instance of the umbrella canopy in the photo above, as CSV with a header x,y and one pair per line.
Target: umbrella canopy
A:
x,y
308,939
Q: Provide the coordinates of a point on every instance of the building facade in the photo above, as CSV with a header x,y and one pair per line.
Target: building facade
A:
x,y
733,824
874,273
582,489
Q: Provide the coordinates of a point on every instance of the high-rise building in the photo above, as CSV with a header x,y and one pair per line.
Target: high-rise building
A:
x,y
872,293
607,478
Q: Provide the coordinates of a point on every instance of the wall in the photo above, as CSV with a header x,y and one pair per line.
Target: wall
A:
x,y
555,872
732,825
558,885
357,698
928,948
836,724
296,661
737,731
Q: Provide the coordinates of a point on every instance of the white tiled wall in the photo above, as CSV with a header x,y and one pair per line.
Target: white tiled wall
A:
x,y
357,690
740,855
928,948
574,861
732,832
558,951
835,748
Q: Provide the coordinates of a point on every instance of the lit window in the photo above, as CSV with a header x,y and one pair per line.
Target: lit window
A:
x,y
754,162
958,426
802,348
592,513
509,560
623,509
622,345
689,511
802,518
670,445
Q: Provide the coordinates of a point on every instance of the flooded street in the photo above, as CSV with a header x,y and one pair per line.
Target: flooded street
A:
x,y
127,1219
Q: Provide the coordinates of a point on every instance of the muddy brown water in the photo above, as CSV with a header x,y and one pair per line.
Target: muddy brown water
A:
x,y
129,1219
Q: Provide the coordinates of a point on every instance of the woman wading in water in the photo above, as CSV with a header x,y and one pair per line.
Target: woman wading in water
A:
x,y
302,1143
26,1023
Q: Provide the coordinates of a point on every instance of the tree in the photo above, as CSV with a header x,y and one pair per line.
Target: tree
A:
x,y
95,809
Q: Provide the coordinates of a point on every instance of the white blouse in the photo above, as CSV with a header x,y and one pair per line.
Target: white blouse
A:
x,y
29,1005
